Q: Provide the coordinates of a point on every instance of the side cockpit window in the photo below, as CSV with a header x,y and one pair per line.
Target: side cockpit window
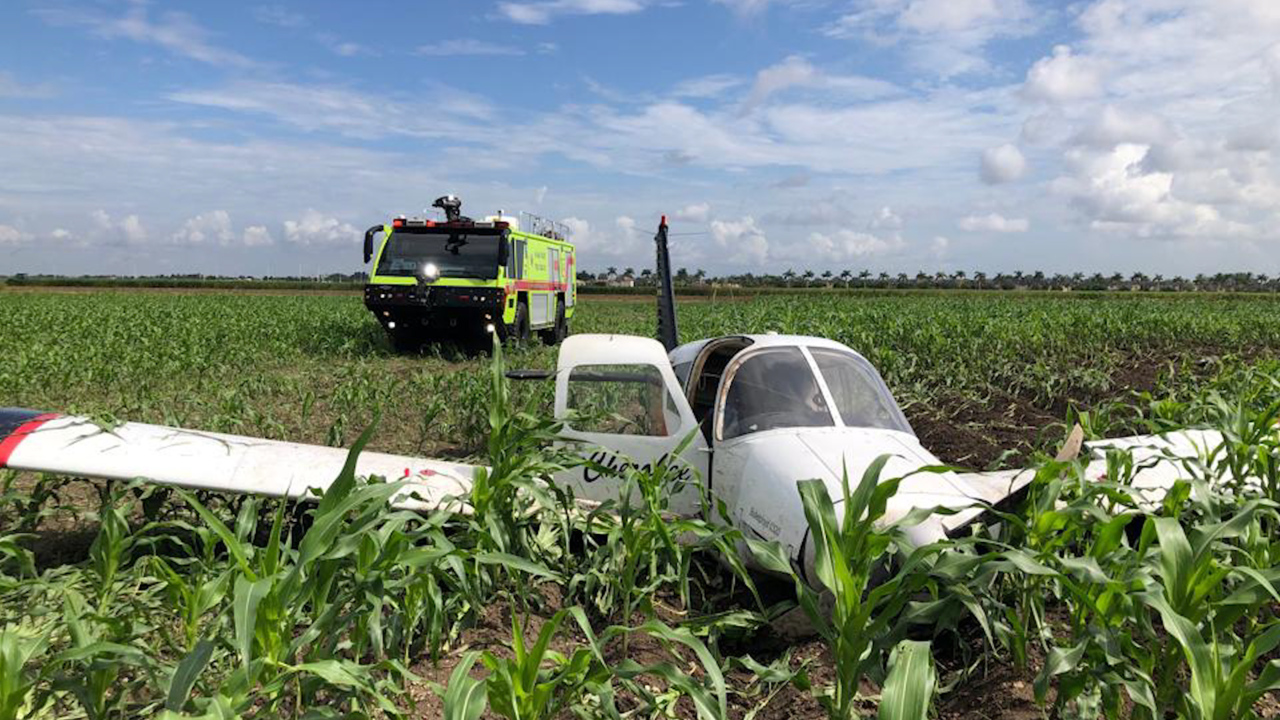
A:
x,y
774,388
621,400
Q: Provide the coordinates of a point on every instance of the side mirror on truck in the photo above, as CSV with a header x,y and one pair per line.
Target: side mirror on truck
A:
x,y
368,241
504,250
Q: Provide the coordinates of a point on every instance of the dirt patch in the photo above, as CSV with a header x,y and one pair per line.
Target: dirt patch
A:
x,y
1006,429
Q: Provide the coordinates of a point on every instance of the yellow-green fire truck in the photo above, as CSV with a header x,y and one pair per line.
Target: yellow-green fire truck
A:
x,y
461,279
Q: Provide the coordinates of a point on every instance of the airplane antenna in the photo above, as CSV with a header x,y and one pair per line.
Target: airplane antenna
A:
x,y
668,332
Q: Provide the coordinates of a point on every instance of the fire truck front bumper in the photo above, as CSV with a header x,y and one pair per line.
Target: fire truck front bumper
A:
x,y
436,309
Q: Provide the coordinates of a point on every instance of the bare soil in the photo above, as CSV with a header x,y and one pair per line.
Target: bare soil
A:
x,y
1008,428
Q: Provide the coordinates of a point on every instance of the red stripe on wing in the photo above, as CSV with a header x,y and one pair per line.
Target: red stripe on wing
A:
x,y
20,433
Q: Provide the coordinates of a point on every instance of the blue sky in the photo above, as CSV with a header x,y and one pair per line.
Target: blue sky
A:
x,y
893,135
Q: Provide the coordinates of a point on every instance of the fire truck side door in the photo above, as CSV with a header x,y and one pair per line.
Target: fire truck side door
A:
x,y
622,402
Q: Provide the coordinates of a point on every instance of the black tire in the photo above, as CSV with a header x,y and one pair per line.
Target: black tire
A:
x,y
556,333
520,329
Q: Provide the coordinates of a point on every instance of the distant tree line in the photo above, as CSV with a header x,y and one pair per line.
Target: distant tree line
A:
x,y
959,279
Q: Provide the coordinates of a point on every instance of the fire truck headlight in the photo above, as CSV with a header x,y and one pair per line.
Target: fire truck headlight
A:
x,y
430,271
392,325
489,328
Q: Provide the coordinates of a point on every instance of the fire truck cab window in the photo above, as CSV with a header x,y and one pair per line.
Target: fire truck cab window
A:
x,y
621,400
515,260
774,388
454,254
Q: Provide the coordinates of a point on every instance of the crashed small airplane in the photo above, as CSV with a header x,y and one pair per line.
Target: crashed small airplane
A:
x,y
763,412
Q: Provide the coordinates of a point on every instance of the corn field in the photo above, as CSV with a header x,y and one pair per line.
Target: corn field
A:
x,y
123,600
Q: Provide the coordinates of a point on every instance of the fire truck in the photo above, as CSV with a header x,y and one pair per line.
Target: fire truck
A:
x,y
461,280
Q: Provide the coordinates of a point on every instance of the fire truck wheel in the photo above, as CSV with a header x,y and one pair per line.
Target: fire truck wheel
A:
x,y
557,332
521,332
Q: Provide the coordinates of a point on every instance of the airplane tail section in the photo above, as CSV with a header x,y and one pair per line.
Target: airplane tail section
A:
x,y
80,447
668,332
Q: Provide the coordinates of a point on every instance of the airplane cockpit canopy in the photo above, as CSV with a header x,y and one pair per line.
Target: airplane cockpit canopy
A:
x,y
777,387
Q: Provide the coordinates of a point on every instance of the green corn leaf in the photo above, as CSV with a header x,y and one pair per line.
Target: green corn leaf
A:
x,y
465,698
220,529
517,563
248,595
343,673
186,674
908,690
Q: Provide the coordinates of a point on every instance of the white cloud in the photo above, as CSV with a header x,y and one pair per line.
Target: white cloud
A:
x,y
466,46
206,227
60,234
1063,77
1113,126
993,222
706,86
1272,60
451,114
626,227
1114,191
621,242
793,71
946,37
541,13
10,235
314,228
256,236
174,31
11,88
1002,164
347,49
579,230
930,16
844,245
940,246
697,212
279,16
797,72
743,238
128,230
886,219
746,7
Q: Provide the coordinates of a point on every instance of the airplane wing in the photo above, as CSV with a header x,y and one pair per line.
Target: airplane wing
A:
x,y
1158,461
79,447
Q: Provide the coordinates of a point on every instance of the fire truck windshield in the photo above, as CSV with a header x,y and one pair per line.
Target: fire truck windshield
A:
x,y
453,253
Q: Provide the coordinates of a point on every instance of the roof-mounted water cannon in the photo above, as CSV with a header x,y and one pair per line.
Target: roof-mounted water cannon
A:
x,y
452,207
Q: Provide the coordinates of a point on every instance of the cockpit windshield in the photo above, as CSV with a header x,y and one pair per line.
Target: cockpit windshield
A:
x,y
777,388
774,388
859,394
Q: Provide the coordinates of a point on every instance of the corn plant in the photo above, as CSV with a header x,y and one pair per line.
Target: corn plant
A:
x,y
19,674
863,620
538,682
